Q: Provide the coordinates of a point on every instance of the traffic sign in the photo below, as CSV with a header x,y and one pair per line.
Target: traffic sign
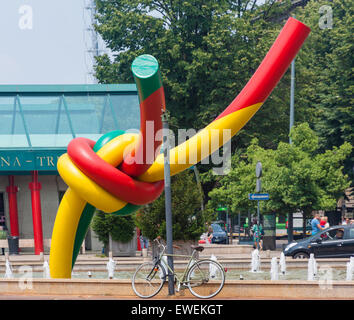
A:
x,y
258,196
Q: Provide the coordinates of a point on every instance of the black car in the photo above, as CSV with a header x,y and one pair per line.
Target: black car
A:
x,y
334,242
219,235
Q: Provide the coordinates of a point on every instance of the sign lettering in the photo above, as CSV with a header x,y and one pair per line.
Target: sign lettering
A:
x,y
28,160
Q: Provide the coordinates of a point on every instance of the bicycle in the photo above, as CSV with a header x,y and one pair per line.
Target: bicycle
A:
x,y
150,276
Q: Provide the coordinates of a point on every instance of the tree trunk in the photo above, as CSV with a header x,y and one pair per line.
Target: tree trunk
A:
x,y
304,216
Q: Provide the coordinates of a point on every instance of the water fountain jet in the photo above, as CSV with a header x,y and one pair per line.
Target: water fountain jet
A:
x,y
256,261
8,272
111,264
282,264
46,273
274,269
311,268
350,269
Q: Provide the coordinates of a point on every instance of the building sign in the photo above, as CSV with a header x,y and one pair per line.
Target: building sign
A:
x,y
29,160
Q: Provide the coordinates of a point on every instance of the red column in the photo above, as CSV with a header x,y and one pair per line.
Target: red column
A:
x,y
35,187
13,212
138,239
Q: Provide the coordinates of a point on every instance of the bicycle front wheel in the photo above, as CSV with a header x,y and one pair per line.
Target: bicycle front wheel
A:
x,y
148,279
205,279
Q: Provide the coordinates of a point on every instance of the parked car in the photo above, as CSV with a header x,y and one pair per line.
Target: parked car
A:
x,y
219,235
334,242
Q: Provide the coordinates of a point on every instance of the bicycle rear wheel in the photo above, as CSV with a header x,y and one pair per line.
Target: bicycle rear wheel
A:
x,y
205,279
148,279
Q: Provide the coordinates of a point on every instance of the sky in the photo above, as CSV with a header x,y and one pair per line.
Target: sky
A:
x,y
43,42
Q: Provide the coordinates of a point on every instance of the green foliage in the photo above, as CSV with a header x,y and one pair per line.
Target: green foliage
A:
x,y
326,60
187,219
297,176
207,51
121,228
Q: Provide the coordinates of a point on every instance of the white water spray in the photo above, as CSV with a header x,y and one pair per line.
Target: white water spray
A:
x,y
111,264
274,269
350,269
46,272
311,268
256,261
282,264
8,272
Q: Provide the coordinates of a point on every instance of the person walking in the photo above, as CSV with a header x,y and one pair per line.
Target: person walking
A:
x,y
257,232
210,234
316,225
144,242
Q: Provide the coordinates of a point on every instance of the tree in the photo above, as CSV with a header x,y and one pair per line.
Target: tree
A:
x,y
207,51
326,60
297,176
188,220
121,228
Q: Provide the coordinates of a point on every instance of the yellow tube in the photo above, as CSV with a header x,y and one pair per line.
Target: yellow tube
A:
x,y
200,146
82,188
64,232
90,191
73,203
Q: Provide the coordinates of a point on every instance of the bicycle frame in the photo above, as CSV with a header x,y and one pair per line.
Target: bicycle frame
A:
x,y
182,279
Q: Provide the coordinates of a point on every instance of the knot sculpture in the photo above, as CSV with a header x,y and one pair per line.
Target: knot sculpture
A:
x,y
106,173
117,175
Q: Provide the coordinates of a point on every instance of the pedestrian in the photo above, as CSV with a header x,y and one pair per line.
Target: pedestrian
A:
x,y
144,242
324,222
210,234
257,232
315,224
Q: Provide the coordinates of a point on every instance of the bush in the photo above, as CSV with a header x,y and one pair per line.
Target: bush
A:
x,y
121,228
187,219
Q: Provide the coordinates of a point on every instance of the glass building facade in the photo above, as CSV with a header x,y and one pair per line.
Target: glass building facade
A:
x,y
49,116
36,124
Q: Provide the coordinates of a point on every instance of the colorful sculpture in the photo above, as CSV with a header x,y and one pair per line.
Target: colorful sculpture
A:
x,y
104,175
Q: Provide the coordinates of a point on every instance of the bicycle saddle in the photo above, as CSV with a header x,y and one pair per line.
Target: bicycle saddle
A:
x,y
198,248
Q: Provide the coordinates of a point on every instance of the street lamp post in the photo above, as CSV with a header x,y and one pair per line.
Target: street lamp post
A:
x,y
258,189
168,206
292,112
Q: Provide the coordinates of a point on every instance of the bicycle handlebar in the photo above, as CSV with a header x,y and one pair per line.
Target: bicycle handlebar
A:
x,y
157,239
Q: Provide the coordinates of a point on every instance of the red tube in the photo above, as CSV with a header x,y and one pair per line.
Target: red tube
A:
x,y
138,239
150,111
13,211
272,68
108,177
35,187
